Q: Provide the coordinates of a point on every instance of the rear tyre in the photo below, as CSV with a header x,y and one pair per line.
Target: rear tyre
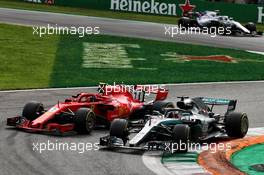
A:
x,y
236,124
32,110
119,128
181,136
84,120
162,105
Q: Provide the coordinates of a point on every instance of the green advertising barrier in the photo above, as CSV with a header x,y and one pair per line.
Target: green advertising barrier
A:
x,y
92,4
240,12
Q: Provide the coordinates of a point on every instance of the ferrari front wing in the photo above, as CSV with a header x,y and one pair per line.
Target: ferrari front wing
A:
x,y
20,122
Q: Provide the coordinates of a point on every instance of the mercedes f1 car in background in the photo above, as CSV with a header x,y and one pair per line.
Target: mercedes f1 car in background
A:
x,y
194,121
212,19
85,110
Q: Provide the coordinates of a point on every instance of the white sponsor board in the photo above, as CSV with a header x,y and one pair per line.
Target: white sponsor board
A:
x,y
35,1
260,14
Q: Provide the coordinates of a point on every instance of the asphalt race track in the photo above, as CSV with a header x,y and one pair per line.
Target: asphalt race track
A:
x,y
17,155
127,28
16,149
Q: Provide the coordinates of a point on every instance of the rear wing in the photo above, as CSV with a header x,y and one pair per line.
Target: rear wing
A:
x,y
161,92
220,101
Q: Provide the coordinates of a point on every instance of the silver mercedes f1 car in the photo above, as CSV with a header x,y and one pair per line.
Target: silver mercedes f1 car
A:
x,y
193,121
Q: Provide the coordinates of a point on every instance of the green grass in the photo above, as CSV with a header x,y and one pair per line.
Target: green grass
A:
x,y
260,27
91,12
149,66
28,61
243,159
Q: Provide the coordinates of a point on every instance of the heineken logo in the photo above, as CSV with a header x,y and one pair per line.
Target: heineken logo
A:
x,y
152,6
51,2
35,1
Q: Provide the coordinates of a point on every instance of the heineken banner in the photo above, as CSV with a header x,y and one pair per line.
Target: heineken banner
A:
x,y
240,12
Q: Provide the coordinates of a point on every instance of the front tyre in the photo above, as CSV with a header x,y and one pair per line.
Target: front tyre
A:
x,y
180,137
84,120
236,124
32,110
251,27
119,129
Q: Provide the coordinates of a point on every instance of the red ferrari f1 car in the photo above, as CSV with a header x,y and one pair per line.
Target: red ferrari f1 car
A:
x,y
83,112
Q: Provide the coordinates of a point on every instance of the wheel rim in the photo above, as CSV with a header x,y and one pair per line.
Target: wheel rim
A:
x,y
244,125
89,122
